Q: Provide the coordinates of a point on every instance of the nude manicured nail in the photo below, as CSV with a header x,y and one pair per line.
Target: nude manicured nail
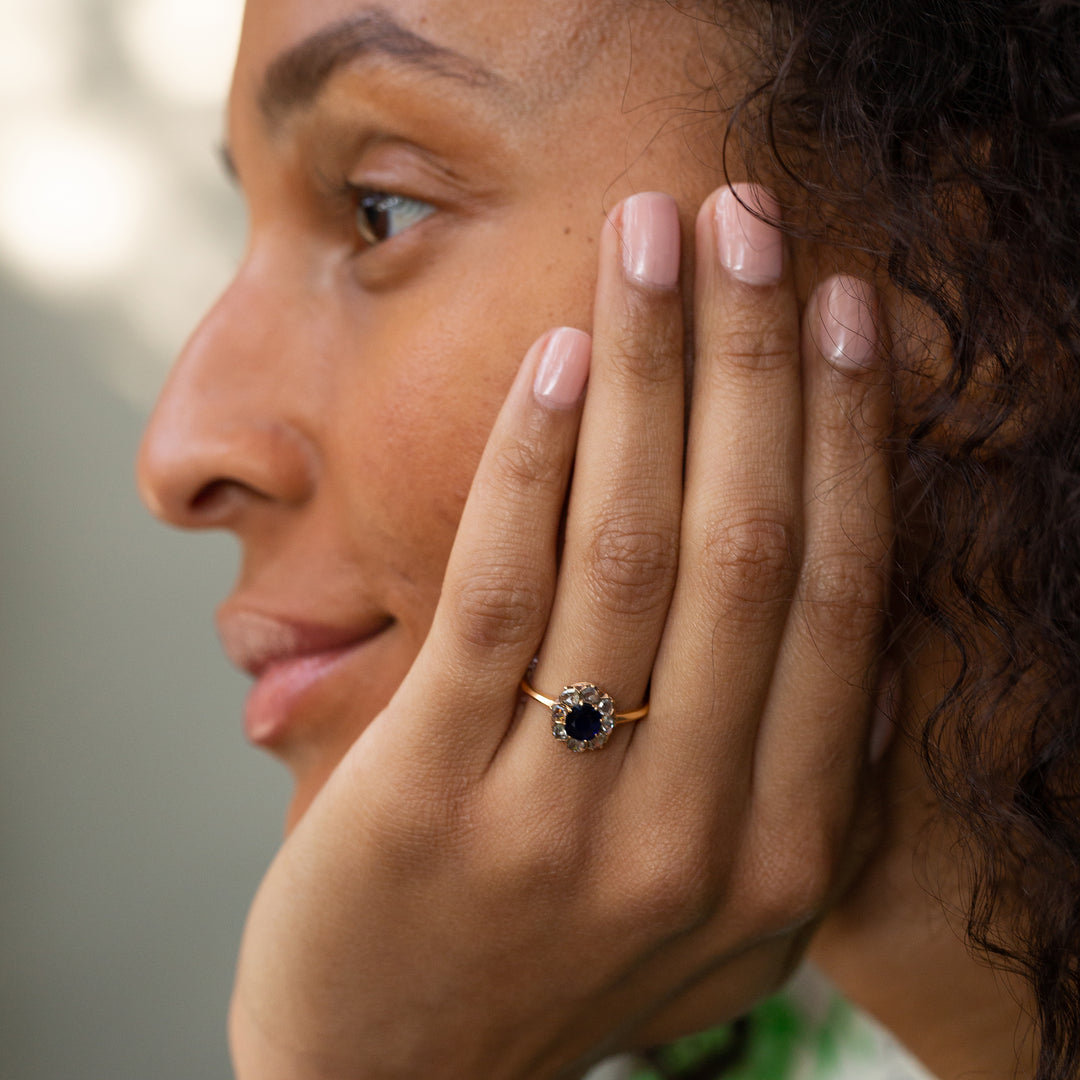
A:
x,y
563,368
650,239
750,249
846,332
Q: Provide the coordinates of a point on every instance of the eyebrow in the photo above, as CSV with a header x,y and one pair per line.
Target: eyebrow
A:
x,y
296,78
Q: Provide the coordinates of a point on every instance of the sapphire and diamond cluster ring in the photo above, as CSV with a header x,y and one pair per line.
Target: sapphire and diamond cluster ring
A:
x,y
583,715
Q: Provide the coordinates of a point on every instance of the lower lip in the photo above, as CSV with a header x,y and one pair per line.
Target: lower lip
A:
x,y
274,698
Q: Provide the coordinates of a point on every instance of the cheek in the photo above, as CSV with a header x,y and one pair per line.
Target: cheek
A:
x,y
409,425
414,408
433,424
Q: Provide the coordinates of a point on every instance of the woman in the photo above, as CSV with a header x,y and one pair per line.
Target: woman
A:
x,y
879,310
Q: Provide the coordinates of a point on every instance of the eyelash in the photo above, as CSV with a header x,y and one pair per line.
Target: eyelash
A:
x,y
375,209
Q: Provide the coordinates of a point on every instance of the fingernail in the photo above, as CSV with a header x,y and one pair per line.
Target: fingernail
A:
x,y
750,249
883,725
563,368
846,334
649,228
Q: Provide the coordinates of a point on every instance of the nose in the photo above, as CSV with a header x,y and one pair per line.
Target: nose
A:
x,y
230,431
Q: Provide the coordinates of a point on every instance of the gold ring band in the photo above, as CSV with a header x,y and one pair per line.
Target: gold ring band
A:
x,y
619,718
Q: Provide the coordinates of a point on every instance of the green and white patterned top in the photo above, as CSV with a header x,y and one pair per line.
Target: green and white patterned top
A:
x,y
806,1032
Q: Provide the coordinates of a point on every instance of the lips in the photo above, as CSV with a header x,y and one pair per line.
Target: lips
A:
x,y
288,659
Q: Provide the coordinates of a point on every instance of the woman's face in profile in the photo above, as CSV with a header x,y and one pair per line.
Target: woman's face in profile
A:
x,y
425,188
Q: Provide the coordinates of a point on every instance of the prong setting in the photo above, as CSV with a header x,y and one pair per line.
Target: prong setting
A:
x,y
582,717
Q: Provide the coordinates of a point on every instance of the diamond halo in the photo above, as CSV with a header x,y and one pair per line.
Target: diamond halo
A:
x,y
583,717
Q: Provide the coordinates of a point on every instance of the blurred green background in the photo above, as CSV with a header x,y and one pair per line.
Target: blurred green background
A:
x,y
134,821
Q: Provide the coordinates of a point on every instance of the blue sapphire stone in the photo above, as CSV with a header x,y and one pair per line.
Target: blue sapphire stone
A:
x,y
583,722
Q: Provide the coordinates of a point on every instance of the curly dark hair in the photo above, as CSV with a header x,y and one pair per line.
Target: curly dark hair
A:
x,y
945,135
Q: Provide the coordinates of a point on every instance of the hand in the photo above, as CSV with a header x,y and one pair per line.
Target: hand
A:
x,y
467,899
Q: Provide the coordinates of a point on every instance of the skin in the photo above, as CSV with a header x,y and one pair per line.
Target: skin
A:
x,y
435,365
333,410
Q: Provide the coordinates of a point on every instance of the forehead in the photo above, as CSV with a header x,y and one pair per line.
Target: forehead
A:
x,y
540,47
593,83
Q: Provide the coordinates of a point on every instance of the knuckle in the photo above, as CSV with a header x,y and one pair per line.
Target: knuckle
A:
x,y
674,878
842,425
758,347
752,559
642,349
417,831
748,355
495,609
668,891
526,462
842,597
792,886
539,860
531,849
630,566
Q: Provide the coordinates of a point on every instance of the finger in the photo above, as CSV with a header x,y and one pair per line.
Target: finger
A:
x,y
621,544
741,528
814,739
501,573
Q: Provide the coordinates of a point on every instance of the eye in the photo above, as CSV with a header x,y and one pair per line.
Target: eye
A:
x,y
381,215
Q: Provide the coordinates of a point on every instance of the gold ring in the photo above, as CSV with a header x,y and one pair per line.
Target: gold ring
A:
x,y
583,715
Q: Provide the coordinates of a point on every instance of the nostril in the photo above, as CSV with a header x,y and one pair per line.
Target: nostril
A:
x,y
209,456
208,500
217,501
